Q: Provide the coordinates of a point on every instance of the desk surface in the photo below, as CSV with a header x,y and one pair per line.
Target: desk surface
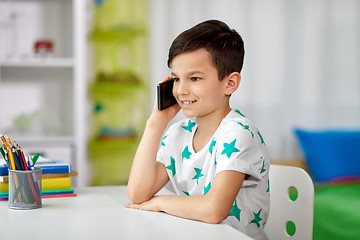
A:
x,y
98,213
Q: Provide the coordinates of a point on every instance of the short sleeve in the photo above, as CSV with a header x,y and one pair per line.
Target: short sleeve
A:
x,y
171,135
237,149
160,157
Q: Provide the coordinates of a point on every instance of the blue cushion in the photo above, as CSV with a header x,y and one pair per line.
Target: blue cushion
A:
x,y
331,155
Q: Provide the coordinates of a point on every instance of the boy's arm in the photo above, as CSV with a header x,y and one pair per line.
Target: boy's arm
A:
x,y
147,176
212,207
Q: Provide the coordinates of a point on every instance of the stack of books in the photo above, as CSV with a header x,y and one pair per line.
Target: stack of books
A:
x,y
56,179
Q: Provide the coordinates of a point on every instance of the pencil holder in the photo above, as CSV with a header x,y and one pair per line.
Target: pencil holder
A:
x,y
25,189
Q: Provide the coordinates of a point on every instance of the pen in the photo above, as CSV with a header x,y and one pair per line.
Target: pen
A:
x,y
30,163
35,158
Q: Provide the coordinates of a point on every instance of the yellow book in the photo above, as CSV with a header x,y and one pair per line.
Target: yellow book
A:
x,y
47,184
4,187
5,178
56,183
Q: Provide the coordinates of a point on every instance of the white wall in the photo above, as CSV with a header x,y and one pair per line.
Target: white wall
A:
x,y
301,67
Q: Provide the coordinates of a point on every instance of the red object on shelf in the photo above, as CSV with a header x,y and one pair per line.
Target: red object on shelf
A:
x,y
43,46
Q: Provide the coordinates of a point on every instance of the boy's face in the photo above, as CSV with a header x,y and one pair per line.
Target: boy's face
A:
x,y
197,88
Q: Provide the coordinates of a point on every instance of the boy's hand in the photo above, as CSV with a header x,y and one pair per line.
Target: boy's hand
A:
x,y
166,114
147,206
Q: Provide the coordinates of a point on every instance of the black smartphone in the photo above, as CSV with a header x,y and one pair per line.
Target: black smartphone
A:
x,y
164,94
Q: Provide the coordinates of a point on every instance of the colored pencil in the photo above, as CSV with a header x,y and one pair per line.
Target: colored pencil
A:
x,y
11,160
18,163
10,144
4,141
21,156
10,166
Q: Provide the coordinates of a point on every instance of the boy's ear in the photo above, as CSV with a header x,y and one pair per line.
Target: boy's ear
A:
x,y
232,83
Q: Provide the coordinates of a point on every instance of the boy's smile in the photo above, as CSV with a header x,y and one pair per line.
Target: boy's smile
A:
x,y
197,88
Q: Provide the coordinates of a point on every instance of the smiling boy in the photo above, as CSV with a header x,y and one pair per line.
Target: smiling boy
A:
x,y
216,159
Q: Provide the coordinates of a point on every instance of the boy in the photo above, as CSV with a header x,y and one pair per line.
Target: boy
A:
x,y
217,161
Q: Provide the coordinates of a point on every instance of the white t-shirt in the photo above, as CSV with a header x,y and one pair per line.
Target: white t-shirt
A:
x,y
236,145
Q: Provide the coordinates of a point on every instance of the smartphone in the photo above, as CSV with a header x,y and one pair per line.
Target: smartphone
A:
x,y
164,94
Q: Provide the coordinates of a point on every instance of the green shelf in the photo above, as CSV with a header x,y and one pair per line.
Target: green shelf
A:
x,y
116,34
119,87
99,145
115,88
110,161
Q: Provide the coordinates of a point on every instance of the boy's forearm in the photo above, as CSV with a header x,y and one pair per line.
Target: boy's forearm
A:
x,y
200,208
143,172
213,207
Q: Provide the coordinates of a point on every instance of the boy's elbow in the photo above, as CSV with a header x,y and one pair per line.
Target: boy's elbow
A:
x,y
136,196
215,218
215,215
133,195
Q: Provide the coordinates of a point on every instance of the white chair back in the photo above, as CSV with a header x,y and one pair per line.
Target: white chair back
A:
x,y
291,204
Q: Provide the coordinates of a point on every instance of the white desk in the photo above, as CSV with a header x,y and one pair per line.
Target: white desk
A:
x,y
98,213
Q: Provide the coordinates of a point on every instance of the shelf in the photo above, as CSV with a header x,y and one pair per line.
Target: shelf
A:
x,y
99,145
56,140
117,33
38,62
116,88
43,96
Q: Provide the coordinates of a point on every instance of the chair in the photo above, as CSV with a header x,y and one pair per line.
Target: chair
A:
x,y
291,204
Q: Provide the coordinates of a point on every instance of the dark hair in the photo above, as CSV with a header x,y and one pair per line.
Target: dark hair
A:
x,y
224,44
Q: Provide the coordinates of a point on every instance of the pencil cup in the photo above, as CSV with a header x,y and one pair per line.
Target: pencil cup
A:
x,y
25,189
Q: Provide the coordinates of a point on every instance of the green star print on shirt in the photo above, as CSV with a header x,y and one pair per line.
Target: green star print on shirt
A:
x,y
263,166
171,167
162,141
212,145
237,111
260,136
229,148
236,145
190,126
246,127
257,218
186,153
186,193
207,188
235,211
197,175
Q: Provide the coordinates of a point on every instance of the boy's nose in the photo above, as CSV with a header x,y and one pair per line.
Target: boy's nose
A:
x,y
181,88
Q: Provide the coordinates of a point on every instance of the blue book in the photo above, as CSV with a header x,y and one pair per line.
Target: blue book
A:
x,y
4,169
53,165
47,165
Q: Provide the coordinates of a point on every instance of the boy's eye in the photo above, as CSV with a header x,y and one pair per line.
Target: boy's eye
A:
x,y
195,79
176,79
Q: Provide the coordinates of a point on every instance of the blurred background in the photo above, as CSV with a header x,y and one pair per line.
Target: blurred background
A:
x,y
78,77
